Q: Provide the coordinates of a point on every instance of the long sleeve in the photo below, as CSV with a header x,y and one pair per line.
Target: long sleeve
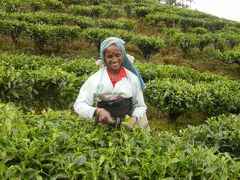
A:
x,y
99,84
139,106
83,105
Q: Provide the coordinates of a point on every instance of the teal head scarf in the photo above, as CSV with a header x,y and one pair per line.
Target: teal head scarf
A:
x,y
126,62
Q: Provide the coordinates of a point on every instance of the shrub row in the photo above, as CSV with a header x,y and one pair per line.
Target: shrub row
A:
x,y
143,10
97,35
176,97
220,132
96,11
147,45
121,23
42,35
186,90
64,146
50,18
230,56
45,87
176,20
29,62
69,19
55,82
151,71
185,17
92,11
220,41
32,5
104,2
96,8
80,67
57,37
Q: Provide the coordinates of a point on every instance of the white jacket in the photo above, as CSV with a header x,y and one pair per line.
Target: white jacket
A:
x,y
99,84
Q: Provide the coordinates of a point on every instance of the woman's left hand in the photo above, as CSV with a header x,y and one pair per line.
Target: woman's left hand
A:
x,y
130,125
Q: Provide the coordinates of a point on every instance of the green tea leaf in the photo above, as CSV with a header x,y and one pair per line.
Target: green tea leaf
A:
x,y
80,160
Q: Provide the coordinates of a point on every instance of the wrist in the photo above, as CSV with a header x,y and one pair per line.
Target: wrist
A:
x,y
133,120
97,111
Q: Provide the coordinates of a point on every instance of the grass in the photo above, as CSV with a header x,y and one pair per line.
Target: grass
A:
x,y
160,122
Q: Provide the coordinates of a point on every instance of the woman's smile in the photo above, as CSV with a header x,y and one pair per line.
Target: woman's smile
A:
x,y
114,58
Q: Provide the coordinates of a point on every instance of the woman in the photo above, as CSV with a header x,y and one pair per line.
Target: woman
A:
x,y
116,89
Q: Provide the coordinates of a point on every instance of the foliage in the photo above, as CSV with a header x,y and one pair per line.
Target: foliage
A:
x,y
93,11
169,19
43,87
170,32
80,67
14,28
42,35
54,5
203,40
148,45
34,5
97,35
113,11
61,145
185,41
218,41
52,18
143,11
232,39
151,71
11,6
221,132
120,23
230,56
55,36
35,81
176,97
199,30
68,2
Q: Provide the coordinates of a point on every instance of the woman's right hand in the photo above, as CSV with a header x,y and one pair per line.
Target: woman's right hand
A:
x,y
104,116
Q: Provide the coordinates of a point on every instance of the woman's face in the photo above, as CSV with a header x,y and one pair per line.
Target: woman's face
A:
x,y
113,57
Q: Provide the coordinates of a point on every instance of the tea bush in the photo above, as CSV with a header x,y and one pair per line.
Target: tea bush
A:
x,y
221,132
176,97
58,144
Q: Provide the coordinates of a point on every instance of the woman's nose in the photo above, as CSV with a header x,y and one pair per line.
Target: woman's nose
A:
x,y
115,57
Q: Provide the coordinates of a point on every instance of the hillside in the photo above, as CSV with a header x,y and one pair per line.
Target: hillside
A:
x,y
187,38
154,32
189,60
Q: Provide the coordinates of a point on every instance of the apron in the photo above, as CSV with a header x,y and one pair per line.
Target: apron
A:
x,y
118,108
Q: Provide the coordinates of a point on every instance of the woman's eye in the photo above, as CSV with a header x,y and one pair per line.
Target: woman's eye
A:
x,y
109,56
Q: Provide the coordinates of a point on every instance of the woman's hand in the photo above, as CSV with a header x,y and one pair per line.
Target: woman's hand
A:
x,y
130,125
103,116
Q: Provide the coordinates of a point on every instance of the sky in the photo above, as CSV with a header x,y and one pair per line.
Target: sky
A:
x,y
228,9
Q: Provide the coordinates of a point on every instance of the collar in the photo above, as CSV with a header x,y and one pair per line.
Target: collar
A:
x,y
122,73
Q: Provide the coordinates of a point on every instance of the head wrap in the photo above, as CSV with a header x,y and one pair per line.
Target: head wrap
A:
x,y
126,62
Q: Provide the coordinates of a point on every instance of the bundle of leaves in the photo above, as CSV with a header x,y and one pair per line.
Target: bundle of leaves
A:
x,y
62,145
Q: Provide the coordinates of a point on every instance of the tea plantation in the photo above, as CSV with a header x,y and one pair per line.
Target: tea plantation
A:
x,y
188,59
